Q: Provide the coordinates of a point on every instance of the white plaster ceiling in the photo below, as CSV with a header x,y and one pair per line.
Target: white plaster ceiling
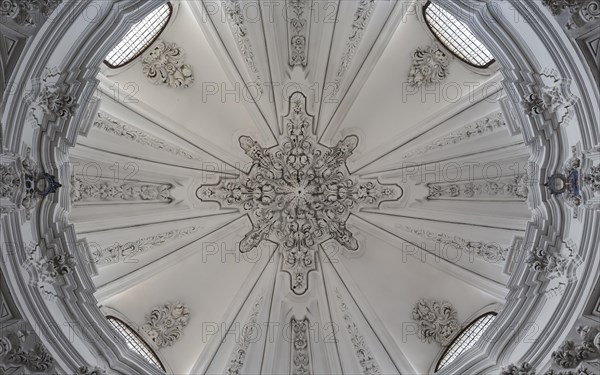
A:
x,y
385,278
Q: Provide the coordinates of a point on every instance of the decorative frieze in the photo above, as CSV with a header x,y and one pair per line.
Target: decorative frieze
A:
x,y
111,126
83,190
516,188
125,252
301,358
481,127
238,355
164,65
361,19
298,26
164,324
25,12
437,321
361,350
299,193
491,252
430,65
237,23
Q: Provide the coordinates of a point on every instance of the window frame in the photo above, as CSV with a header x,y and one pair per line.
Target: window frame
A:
x,y
481,68
134,333
150,43
467,327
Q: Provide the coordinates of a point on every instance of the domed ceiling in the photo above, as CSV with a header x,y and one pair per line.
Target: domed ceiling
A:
x,y
316,187
336,191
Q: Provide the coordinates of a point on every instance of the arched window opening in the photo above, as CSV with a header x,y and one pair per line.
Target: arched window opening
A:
x,y
466,339
139,37
135,342
456,36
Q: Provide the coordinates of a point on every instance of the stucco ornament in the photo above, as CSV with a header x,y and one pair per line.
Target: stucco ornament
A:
x,y
86,370
164,65
570,353
430,65
23,184
24,12
523,369
164,325
300,347
553,265
437,321
299,194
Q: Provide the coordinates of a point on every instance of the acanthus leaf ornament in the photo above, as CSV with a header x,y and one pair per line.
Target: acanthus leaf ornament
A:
x,y
24,185
570,353
51,98
301,357
550,96
437,321
22,353
83,190
553,265
514,188
575,183
164,324
523,369
491,252
164,65
298,31
361,19
299,194
430,65
363,354
237,23
481,127
127,252
25,12
118,128
579,12
249,330
88,370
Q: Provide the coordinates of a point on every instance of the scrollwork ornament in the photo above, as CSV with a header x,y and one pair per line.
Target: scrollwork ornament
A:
x,y
437,321
25,12
298,194
523,369
430,65
87,370
36,359
553,265
24,185
164,65
361,19
238,356
164,324
301,361
570,354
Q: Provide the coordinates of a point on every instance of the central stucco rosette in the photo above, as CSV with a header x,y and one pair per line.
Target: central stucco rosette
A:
x,y
299,193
